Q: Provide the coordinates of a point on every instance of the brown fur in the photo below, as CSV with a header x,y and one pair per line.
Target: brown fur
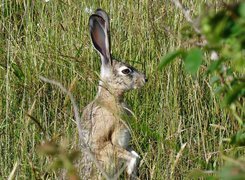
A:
x,y
104,118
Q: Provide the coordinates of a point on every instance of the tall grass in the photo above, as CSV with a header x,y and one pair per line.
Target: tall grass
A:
x,y
52,39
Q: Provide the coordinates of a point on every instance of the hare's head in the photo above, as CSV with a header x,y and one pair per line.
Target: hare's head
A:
x,y
114,74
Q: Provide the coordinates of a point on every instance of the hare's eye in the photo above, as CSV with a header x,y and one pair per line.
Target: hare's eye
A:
x,y
126,71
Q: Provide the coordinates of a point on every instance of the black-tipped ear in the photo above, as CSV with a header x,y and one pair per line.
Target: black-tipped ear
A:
x,y
100,37
105,16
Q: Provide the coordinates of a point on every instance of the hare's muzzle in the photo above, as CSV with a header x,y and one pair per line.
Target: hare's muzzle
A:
x,y
140,81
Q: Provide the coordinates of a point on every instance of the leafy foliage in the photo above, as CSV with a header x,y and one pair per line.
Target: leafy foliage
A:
x,y
224,33
239,138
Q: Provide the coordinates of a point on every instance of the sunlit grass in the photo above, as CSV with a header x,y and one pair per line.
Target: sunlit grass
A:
x,y
52,39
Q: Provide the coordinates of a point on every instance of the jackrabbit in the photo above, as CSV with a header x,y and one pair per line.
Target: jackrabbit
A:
x,y
109,135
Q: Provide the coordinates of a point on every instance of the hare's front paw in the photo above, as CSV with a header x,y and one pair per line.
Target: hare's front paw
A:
x,y
133,163
135,154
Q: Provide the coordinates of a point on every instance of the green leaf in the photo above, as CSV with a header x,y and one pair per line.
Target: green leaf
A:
x,y
219,89
169,57
214,65
234,171
238,139
214,79
237,91
242,9
193,61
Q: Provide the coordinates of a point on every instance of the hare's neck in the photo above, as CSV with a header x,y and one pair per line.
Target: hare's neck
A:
x,y
113,101
110,96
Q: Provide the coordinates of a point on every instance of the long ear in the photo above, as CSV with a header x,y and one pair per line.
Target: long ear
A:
x,y
100,37
105,16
